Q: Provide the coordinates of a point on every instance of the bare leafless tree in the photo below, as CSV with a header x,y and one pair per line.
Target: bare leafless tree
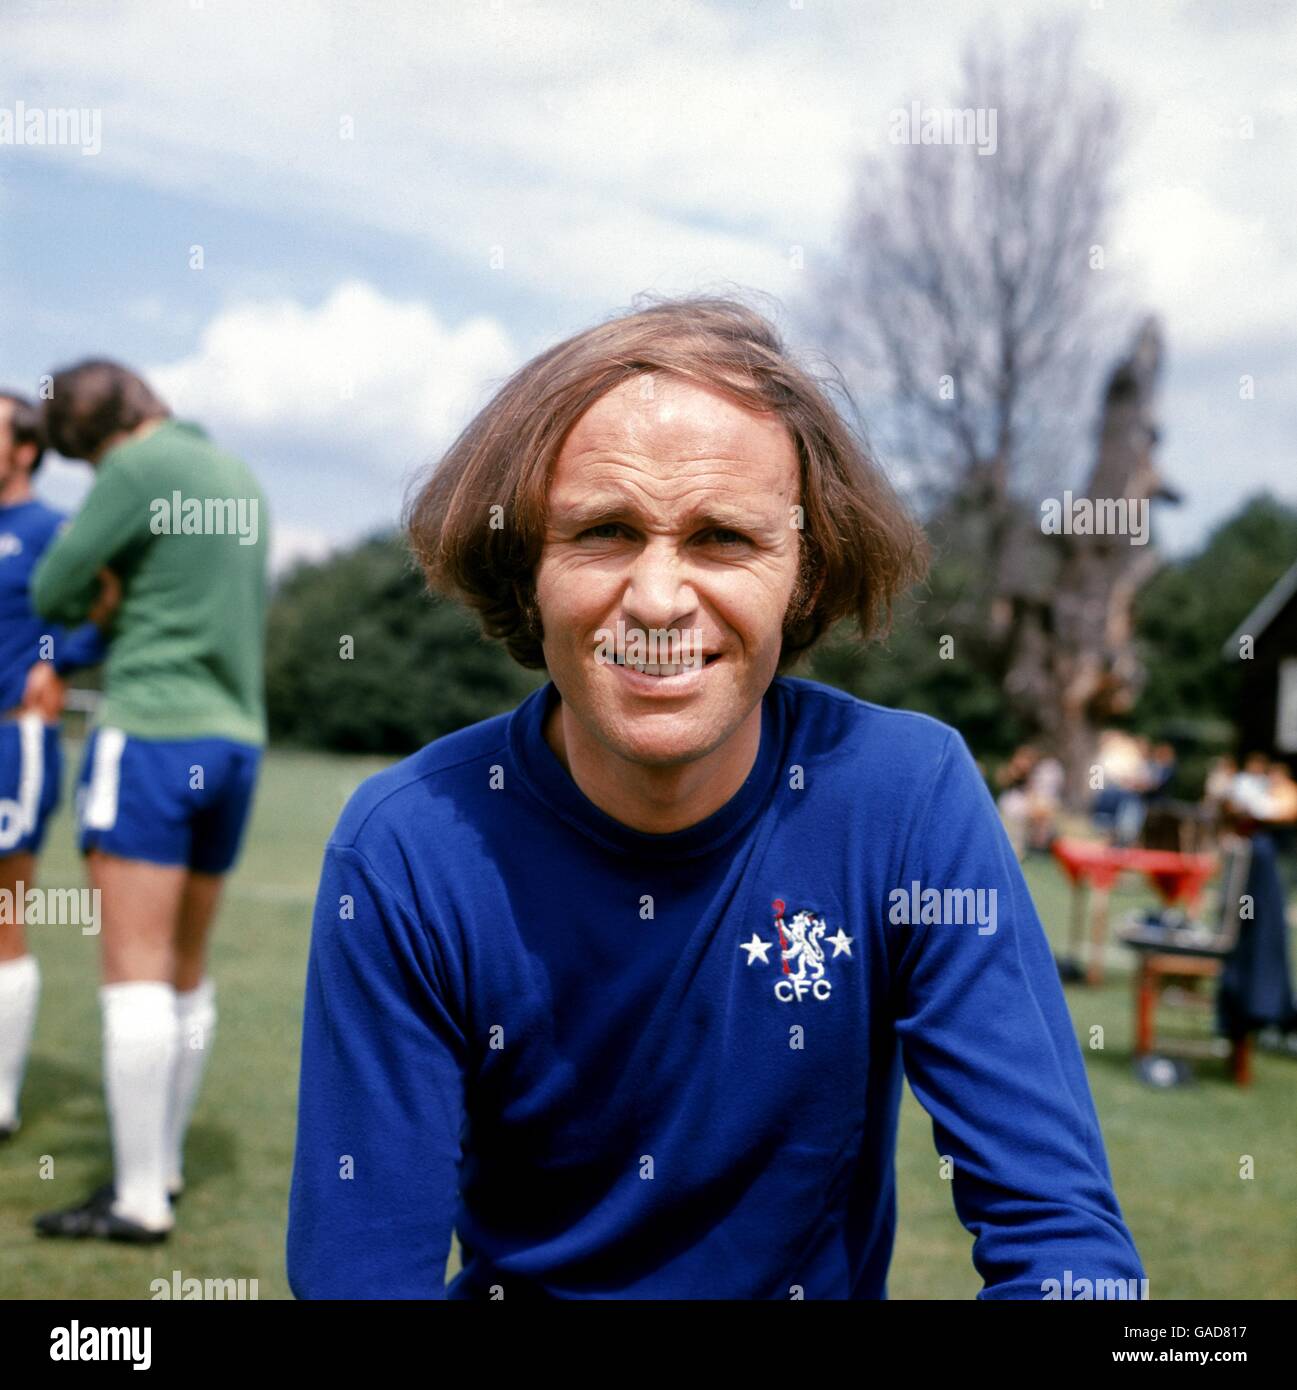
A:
x,y
972,315
972,291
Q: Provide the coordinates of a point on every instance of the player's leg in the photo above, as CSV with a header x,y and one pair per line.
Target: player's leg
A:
x,y
198,906
30,772
139,905
15,870
134,833
139,902
20,984
195,1013
230,771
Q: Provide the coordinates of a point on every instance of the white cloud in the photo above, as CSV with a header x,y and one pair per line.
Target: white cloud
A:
x,y
609,149
359,375
289,544
1217,269
603,153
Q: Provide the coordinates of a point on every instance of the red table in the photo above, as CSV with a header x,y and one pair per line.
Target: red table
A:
x,y
1094,869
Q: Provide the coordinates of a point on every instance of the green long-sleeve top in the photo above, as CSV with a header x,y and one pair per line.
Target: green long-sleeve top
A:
x,y
184,527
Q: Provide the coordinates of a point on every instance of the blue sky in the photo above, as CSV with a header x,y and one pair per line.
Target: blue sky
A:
x,y
519,170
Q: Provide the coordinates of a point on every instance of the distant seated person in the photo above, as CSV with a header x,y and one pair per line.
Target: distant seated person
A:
x,y
1220,779
1260,792
1263,800
1032,793
1012,802
1159,772
1045,800
1282,795
1118,808
1256,984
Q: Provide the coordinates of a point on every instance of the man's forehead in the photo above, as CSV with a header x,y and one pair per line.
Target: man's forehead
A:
x,y
597,482
661,417
683,447
720,506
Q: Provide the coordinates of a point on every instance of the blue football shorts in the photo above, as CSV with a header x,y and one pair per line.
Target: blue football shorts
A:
x,y
169,801
31,768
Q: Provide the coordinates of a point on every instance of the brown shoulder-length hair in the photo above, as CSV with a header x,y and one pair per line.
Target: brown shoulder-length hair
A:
x,y
476,522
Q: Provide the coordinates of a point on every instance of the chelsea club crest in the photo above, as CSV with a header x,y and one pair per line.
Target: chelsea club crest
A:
x,y
801,941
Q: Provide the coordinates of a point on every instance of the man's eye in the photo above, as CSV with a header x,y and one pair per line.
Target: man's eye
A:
x,y
723,536
605,531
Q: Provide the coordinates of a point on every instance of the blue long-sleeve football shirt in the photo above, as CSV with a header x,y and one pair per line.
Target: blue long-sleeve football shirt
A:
x,y
669,1066
27,529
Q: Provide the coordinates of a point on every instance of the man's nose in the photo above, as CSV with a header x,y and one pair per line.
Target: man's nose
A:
x,y
659,593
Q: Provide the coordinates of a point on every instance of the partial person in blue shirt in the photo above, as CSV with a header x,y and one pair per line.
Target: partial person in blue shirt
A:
x,y
622,986
34,658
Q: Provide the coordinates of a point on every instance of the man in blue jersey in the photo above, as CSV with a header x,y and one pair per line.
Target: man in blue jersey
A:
x,y
34,657
621,986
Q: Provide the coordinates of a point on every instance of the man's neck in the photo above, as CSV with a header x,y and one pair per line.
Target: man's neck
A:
x,y
654,800
141,431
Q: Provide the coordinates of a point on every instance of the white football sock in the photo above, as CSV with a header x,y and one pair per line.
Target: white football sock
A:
x,y
195,1028
20,988
139,1056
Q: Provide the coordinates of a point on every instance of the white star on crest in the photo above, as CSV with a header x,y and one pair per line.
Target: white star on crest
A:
x,y
841,942
756,947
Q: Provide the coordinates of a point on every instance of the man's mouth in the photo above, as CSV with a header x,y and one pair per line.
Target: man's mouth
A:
x,y
665,670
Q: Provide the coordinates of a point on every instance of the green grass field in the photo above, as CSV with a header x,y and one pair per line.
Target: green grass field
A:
x,y
1203,1231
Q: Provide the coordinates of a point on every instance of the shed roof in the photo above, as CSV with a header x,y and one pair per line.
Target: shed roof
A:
x,y
1260,618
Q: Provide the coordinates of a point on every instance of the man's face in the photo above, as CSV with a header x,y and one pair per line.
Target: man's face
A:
x,y
8,462
15,460
670,508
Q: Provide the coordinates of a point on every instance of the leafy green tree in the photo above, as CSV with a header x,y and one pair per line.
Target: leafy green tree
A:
x,y
1184,615
415,667
923,665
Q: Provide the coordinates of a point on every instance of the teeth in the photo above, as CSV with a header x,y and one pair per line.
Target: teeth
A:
x,y
661,668
648,668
